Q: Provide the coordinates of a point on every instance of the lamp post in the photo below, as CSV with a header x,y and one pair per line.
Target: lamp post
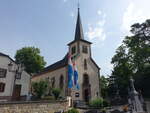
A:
x,y
17,72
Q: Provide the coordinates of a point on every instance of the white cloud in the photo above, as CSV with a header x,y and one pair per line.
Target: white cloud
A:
x,y
65,0
101,22
72,14
96,32
99,12
136,11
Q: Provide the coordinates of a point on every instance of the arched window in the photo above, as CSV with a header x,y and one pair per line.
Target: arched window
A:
x,y
53,82
61,82
85,64
85,79
73,50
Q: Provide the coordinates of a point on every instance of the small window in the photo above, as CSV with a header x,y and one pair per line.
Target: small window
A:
x,y
53,82
18,75
2,87
86,79
85,64
84,49
3,73
61,82
73,50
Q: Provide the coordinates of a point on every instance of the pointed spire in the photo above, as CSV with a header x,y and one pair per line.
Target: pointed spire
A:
x,y
79,31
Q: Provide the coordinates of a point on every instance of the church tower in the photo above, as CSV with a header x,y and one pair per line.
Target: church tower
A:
x,y
79,45
80,50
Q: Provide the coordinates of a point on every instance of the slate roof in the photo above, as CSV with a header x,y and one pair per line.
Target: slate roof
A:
x,y
95,63
79,36
54,66
79,30
82,40
2,54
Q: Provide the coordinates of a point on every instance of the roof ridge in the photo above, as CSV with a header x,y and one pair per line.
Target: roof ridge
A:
x,y
2,54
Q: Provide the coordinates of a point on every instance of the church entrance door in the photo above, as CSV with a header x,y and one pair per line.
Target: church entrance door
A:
x,y
86,88
86,95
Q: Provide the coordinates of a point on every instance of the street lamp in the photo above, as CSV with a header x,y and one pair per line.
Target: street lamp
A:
x,y
10,65
20,68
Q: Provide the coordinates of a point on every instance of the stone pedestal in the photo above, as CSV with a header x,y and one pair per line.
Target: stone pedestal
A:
x,y
135,100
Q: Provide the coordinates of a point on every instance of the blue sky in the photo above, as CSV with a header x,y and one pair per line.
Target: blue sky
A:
x,y
50,25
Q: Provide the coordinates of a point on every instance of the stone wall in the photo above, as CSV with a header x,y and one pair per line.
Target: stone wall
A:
x,y
33,107
54,74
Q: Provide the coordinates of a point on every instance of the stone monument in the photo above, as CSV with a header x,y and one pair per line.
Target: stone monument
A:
x,y
137,105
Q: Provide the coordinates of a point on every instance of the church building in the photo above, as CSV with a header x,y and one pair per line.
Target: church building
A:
x,y
88,71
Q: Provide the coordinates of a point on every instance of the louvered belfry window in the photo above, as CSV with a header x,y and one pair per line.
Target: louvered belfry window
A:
x,y
73,50
84,49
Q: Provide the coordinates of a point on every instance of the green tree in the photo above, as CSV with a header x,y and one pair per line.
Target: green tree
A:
x,y
132,58
122,70
39,88
30,57
139,51
103,86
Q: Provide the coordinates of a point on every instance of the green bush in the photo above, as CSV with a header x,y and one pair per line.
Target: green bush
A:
x,y
105,103
39,88
56,92
48,98
103,110
97,103
73,110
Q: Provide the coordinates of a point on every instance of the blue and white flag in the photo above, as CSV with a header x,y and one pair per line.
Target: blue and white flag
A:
x,y
70,72
76,75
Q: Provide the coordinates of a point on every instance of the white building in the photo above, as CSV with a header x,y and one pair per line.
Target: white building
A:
x,y
14,81
89,71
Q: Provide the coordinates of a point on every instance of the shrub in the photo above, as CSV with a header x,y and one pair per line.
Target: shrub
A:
x,y
73,110
97,103
105,103
56,92
48,98
39,88
103,110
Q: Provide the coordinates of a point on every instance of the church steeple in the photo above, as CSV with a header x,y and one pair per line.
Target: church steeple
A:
x,y
79,37
79,30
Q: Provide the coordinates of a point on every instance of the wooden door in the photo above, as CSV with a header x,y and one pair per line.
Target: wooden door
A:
x,y
86,95
16,92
